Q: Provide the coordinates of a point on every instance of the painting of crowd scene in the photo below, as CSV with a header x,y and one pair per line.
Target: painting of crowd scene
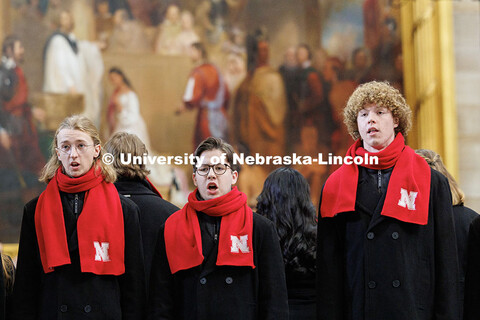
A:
x,y
283,71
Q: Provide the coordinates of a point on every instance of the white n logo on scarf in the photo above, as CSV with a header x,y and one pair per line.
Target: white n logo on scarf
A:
x,y
101,251
407,199
239,244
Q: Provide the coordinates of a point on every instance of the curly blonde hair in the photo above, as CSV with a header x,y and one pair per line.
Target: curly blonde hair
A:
x,y
382,94
81,123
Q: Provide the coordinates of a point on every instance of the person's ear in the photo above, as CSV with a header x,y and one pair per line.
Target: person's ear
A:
x,y
234,177
194,178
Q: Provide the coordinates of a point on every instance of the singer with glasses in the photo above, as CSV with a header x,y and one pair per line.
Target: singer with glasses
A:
x,y
80,253
215,258
218,169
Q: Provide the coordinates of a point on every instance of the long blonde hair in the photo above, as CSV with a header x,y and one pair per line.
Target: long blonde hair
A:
x,y
435,162
81,123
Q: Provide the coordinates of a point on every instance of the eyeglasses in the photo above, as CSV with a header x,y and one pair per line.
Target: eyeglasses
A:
x,y
218,169
67,149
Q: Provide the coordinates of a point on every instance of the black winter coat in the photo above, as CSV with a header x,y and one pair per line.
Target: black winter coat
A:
x,y
409,271
463,218
472,277
67,293
210,292
154,211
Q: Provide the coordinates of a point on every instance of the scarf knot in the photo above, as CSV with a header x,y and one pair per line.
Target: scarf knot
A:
x,y
100,226
408,192
183,239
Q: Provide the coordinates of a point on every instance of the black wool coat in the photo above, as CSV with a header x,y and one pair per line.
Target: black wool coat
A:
x,y
410,271
67,293
472,277
223,292
463,217
154,211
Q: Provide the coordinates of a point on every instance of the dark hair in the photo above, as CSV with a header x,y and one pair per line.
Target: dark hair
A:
x,y
285,200
258,35
120,72
212,143
200,47
306,47
9,43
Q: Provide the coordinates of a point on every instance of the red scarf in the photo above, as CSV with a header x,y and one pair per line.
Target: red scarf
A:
x,y
408,192
101,239
183,240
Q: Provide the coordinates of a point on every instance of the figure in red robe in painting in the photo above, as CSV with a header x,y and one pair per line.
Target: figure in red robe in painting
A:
x,y
206,91
19,138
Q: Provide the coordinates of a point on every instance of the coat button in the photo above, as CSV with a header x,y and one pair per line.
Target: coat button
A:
x,y
396,283
63,308
370,235
203,281
395,235
372,284
87,308
229,280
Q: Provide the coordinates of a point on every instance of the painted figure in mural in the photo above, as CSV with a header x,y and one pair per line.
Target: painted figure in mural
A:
x,y
80,251
187,36
19,143
260,104
169,31
382,39
72,66
103,21
123,114
128,35
285,200
212,17
337,91
235,71
236,42
313,106
386,244
360,66
290,72
206,91
224,252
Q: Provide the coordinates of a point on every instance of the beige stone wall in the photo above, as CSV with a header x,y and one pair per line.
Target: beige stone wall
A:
x,y
467,73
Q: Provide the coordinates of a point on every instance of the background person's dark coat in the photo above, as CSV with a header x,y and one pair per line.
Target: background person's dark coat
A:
x,y
154,211
463,217
67,293
223,292
410,271
472,277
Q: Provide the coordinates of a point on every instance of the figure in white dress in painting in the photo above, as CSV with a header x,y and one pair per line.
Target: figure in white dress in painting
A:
x,y
124,108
